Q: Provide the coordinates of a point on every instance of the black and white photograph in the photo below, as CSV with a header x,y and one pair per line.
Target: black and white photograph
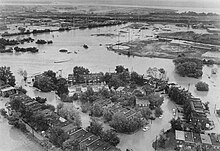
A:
x,y
110,75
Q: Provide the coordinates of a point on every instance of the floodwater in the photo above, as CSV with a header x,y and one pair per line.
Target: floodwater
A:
x,y
98,59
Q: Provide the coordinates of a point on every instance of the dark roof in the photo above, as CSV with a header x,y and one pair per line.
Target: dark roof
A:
x,y
112,148
89,140
215,138
131,112
78,134
85,136
104,147
95,145
197,138
188,137
70,127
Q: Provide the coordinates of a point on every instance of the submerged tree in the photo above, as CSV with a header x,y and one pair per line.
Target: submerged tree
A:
x,y
7,76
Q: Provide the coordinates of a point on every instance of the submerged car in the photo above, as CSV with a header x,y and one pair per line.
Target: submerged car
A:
x,y
146,128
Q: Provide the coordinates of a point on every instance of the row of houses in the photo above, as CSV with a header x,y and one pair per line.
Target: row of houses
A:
x,y
87,141
205,142
85,78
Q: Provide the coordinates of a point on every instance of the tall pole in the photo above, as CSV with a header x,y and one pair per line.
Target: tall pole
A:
x,y
215,109
188,86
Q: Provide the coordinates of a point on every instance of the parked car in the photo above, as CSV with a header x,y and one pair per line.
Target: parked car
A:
x,y
146,128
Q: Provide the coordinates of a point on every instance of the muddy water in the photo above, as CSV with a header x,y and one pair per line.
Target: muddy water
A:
x,y
97,59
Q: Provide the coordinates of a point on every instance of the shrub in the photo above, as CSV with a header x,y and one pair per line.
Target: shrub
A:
x,y
202,86
3,112
22,90
158,112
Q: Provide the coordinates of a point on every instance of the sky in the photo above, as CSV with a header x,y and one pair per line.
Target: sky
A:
x,y
168,3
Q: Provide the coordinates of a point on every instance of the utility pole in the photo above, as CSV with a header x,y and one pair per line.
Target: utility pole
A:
x,y
156,144
188,86
215,109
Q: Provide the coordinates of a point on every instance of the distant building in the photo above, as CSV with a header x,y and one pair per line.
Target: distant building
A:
x,y
7,90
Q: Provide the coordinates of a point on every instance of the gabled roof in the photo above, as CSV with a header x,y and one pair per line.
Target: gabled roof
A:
x,y
69,127
104,147
89,140
96,144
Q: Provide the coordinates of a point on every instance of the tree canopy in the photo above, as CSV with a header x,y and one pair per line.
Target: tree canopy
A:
x,y
7,76
190,67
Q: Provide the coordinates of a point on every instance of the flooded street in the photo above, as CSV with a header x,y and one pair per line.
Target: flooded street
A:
x,y
98,59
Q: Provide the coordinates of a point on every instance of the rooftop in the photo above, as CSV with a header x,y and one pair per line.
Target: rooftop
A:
x,y
78,133
189,137
96,144
180,135
206,139
7,89
104,147
70,127
89,140
215,138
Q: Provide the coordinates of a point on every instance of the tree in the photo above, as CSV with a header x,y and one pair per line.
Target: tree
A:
x,y
105,92
70,114
110,137
3,112
146,112
158,112
120,69
78,72
48,106
206,104
95,127
17,105
124,125
40,100
21,90
176,124
137,79
202,86
155,101
13,119
39,121
124,76
107,77
50,74
70,145
62,86
57,136
7,76
148,89
107,115
115,82
96,110
190,67
45,84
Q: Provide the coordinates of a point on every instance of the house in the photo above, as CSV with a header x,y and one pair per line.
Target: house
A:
x,y
207,141
70,128
93,77
7,90
85,143
95,145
